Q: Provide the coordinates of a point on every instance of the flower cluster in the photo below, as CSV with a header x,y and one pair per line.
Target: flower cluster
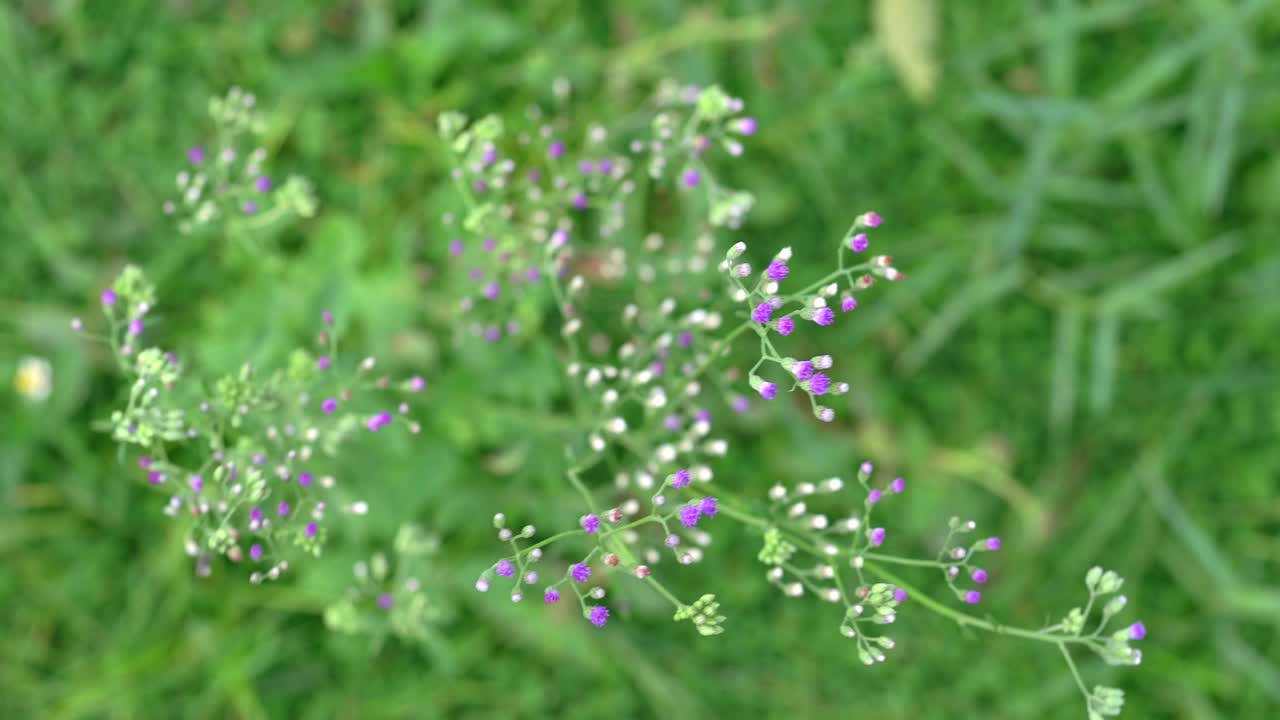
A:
x,y
228,183
384,602
534,201
793,529
248,457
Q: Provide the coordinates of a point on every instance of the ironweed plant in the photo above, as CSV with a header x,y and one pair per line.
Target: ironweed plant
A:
x,y
544,208
246,457
660,334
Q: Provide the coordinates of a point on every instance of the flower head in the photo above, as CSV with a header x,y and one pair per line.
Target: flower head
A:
x,y
898,485
900,595
858,243
108,297
580,572
992,543
786,326
1137,631
681,479
598,615
196,155
824,316
745,126
329,405
708,507
689,515
819,384
777,270
551,596
973,597
762,313
590,523
385,601
262,184
877,537
504,568
768,390
691,177
803,370
282,509
979,575
848,304
871,219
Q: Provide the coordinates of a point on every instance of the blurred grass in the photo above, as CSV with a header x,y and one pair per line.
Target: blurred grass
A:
x,y
1083,358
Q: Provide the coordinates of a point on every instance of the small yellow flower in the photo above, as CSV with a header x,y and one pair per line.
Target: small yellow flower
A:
x,y
34,378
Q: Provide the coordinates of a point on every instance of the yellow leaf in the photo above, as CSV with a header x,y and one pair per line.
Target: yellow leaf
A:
x,y
908,32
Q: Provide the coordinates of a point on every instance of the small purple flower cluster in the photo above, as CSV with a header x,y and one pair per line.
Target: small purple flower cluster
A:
x,y
234,183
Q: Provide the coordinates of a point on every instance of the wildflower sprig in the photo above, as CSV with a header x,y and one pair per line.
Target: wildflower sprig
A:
x,y
247,456
642,402
228,185
387,598
842,561
640,399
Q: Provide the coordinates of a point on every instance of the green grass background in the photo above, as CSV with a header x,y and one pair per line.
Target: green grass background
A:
x,y
1083,357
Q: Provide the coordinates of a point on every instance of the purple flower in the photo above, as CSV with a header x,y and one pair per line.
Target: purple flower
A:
x,y
689,515
328,406
579,202
858,243
385,601
865,468
871,219
992,543
455,247
417,384
786,326
155,477
979,575
489,244
741,404
681,479
559,238
877,537
196,155
745,126
873,497
144,461
1137,631
312,529
283,509
379,420
803,370
769,390
262,184
777,270
606,166
197,483
819,384
249,207
327,317
900,595
973,597
762,313
848,304
504,568
590,523
491,291
898,485
691,177
556,149
255,552
135,326
108,297
824,316
323,362
586,166
551,596
598,615
708,507
304,479
580,572
255,515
